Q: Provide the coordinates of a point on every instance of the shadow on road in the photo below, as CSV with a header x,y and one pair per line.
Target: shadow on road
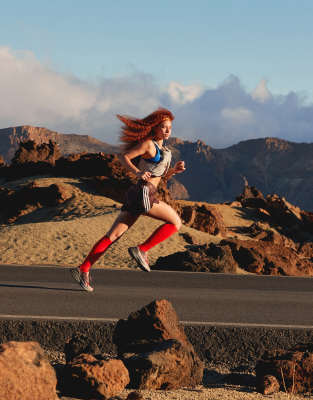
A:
x,y
40,287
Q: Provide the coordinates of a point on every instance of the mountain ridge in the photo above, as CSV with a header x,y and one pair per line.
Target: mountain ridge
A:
x,y
212,175
11,137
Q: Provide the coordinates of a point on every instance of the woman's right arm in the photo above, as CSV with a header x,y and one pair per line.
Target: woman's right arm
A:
x,y
138,150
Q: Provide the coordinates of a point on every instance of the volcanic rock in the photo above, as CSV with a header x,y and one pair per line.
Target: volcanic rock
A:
x,y
78,344
16,203
292,369
200,258
96,378
202,217
155,349
10,139
25,373
30,152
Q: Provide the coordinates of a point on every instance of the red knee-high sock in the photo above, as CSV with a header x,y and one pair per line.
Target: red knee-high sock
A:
x,y
161,233
98,249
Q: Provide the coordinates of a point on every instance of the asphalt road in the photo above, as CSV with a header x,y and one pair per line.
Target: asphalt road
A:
x,y
218,299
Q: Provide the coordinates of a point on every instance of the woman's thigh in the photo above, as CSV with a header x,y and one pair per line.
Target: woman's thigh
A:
x,y
123,222
166,213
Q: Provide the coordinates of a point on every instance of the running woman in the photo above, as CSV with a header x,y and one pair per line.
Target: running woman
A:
x,y
143,138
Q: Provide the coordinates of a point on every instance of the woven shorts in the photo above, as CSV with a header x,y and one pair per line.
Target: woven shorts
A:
x,y
140,198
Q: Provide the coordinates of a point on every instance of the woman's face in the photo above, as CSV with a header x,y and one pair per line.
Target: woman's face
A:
x,y
163,131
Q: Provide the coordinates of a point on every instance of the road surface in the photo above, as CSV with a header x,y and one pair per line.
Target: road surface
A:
x,y
200,298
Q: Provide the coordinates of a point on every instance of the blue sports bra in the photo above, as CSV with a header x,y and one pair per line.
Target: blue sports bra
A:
x,y
157,156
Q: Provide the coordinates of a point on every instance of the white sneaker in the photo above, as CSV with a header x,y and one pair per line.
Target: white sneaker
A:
x,y
141,258
82,278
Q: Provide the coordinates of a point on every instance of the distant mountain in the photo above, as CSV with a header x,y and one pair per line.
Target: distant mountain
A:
x,y
272,165
212,175
10,139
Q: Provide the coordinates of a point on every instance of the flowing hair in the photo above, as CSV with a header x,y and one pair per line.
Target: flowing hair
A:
x,y
136,130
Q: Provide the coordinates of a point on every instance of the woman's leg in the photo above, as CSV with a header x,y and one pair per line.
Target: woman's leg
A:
x,y
123,222
163,212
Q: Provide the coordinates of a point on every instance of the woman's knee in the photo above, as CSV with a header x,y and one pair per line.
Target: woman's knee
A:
x,y
178,223
113,236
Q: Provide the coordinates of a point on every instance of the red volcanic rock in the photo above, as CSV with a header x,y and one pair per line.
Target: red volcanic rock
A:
x,y
10,139
25,373
30,152
15,203
252,197
292,369
155,349
272,254
79,344
200,258
32,159
268,258
96,378
202,217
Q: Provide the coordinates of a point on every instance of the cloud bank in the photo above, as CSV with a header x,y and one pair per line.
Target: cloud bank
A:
x,y
35,94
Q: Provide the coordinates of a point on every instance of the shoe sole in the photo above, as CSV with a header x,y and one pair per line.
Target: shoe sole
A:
x,y
76,276
138,260
86,288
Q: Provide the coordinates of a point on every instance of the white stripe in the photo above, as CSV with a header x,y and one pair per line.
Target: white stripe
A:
x,y
146,200
208,323
146,196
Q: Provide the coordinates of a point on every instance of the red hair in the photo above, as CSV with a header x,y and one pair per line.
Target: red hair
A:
x,y
137,130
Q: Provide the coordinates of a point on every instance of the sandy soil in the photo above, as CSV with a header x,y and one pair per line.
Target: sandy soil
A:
x,y
63,235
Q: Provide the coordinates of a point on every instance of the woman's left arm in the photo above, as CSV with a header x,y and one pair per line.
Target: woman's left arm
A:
x,y
178,168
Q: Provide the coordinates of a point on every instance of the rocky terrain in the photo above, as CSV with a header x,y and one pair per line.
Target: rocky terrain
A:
x,y
52,210
153,360
254,234
272,165
10,139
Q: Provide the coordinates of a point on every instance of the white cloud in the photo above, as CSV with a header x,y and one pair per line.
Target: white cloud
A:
x,y
238,115
261,92
181,94
35,94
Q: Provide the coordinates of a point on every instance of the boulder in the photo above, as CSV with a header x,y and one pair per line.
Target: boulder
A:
x,y
25,373
155,349
292,369
252,197
202,217
95,378
15,203
200,258
78,344
30,152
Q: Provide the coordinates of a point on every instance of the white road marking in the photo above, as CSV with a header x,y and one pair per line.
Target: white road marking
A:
x,y
207,323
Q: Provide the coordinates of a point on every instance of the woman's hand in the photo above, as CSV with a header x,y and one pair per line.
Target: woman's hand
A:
x,y
145,176
179,167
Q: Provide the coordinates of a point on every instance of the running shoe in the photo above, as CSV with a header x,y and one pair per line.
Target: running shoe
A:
x,y
82,278
140,257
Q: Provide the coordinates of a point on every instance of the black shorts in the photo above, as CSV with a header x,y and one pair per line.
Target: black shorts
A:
x,y
140,198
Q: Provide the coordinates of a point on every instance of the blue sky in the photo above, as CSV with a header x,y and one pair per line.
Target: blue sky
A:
x,y
98,48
